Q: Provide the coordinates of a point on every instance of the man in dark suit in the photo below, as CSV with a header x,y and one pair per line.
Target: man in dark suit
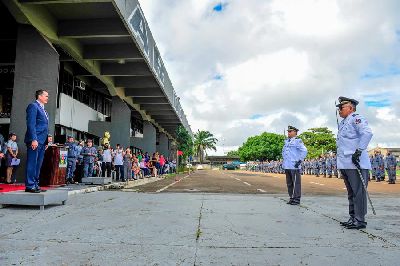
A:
x,y
37,123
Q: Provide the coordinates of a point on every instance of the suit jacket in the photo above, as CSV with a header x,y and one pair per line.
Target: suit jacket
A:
x,y
37,124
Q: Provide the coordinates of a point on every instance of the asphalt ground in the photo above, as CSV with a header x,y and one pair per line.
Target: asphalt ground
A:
x,y
245,182
207,218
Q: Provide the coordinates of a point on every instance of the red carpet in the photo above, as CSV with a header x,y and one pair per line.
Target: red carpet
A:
x,y
15,187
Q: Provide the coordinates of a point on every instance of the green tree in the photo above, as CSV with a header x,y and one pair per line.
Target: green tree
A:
x,y
233,153
184,143
318,141
267,146
203,141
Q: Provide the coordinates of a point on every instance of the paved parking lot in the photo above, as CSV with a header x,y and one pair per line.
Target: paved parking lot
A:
x,y
199,228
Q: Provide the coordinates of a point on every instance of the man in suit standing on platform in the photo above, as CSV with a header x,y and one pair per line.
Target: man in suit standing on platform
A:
x,y
37,123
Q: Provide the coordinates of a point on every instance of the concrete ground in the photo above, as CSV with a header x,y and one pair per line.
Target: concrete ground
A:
x,y
240,226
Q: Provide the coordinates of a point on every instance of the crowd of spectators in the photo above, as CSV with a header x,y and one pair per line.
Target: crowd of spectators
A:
x,y
119,163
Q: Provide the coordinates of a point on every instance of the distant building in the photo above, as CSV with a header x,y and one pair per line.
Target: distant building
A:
x,y
221,159
384,151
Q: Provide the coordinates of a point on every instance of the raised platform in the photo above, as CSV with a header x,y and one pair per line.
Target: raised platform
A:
x,y
50,197
96,180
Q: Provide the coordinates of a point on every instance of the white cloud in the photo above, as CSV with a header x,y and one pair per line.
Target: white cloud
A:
x,y
286,61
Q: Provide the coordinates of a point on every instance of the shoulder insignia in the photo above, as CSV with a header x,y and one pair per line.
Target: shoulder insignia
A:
x,y
357,121
354,115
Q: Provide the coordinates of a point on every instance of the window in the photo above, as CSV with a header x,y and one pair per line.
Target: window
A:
x,y
95,100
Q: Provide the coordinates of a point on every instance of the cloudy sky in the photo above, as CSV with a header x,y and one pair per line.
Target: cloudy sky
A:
x,y
242,67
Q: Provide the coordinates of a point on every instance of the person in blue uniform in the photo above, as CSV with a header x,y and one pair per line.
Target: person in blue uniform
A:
x,y
380,167
293,154
391,163
37,129
72,155
89,154
352,141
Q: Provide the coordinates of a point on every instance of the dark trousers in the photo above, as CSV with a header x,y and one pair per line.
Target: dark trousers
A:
x,y
71,167
293,182
356,193
33,165
119,169
106,169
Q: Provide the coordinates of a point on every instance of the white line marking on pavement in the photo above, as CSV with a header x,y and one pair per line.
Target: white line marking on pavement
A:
x,y
238,179
170,185
246,183
261,190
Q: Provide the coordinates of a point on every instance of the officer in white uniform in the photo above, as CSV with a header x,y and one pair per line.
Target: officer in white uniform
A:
x,y
293,154
352,141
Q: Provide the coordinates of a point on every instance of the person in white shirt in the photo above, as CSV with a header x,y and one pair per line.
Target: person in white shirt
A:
x,y
107,161
119,163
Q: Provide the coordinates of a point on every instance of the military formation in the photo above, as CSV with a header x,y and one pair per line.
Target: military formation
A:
x,y
324,166
380,164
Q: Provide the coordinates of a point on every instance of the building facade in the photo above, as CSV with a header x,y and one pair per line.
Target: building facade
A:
x,y
101,67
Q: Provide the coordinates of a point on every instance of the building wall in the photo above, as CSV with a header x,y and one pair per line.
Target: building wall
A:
x,y
36,67
75,114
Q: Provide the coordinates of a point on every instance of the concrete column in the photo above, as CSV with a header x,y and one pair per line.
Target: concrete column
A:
x,y
36,67
149,137
163,145
120,123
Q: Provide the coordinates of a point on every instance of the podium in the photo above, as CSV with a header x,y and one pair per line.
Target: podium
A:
x,y
54,166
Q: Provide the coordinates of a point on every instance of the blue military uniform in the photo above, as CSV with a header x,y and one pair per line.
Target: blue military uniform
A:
x,y
71,160
391,163
334,166
293,154
89,155
379,166
329,166
353,138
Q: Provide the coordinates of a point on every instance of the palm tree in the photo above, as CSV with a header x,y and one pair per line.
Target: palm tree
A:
x,y
203,141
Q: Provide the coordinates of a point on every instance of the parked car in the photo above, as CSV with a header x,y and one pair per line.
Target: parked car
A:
x,y
230,166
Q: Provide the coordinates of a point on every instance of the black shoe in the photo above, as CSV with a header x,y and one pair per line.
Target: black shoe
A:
x,y
294,203
350,221
32,190
356,226
289,202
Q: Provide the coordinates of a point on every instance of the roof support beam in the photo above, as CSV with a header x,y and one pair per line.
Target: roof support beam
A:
x,y
156,107
119,51
144,92
127,69
89,28
151,100
136,82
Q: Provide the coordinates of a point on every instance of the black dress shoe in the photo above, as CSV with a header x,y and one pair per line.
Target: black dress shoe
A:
x,y
289,202
294,203
32,190
356,226
350,221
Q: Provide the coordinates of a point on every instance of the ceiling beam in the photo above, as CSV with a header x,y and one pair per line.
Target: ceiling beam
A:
x,y
135,82
161,113
127,69
89,28
156,107
144,92
151,100
111,51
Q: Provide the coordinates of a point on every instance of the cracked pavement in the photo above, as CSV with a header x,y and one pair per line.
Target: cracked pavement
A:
x,y
129,228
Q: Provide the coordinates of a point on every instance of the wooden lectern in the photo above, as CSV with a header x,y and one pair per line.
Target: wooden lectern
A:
x,y
54,166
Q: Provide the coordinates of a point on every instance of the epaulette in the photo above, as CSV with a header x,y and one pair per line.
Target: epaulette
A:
x,y
354,115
